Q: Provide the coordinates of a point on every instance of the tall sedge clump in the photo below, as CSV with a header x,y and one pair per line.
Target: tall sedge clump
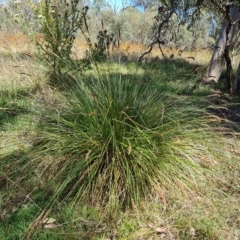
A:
x,y
59,21
112,142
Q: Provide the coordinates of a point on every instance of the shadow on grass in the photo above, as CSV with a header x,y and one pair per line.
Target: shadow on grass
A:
x,y
229,114
184,77
174,71
12,105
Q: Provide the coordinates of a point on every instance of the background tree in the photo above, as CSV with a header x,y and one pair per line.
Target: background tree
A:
x,y
221,53
192,11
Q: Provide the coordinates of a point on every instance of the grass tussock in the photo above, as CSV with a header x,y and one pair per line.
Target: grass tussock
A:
x,y
117,141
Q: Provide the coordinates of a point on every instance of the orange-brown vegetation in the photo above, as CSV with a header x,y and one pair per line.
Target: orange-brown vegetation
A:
x,y
19,42
16,42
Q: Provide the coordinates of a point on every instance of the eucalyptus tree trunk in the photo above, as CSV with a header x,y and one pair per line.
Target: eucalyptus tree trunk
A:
x,y
236,85
221,53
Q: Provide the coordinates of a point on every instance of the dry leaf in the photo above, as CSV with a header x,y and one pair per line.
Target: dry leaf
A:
x,y
151,225
87,155
93,95
129,150
49,220
92,114
192,232
50,226
161,230
14,208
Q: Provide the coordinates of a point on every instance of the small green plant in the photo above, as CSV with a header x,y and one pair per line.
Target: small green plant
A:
x,y
59,22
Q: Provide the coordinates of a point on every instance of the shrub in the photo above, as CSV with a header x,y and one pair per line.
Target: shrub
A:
x,y
59,22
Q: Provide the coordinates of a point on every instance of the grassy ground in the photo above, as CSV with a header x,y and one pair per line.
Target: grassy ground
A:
x,y
193,194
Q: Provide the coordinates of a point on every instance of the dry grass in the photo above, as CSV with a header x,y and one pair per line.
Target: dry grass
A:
x,y
14,43
17,43
18,66
195,57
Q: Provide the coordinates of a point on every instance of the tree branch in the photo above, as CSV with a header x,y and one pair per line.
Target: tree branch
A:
x,y
162,19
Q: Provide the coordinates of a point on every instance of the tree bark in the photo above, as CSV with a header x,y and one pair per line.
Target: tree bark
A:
x,y
216,64
236,85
